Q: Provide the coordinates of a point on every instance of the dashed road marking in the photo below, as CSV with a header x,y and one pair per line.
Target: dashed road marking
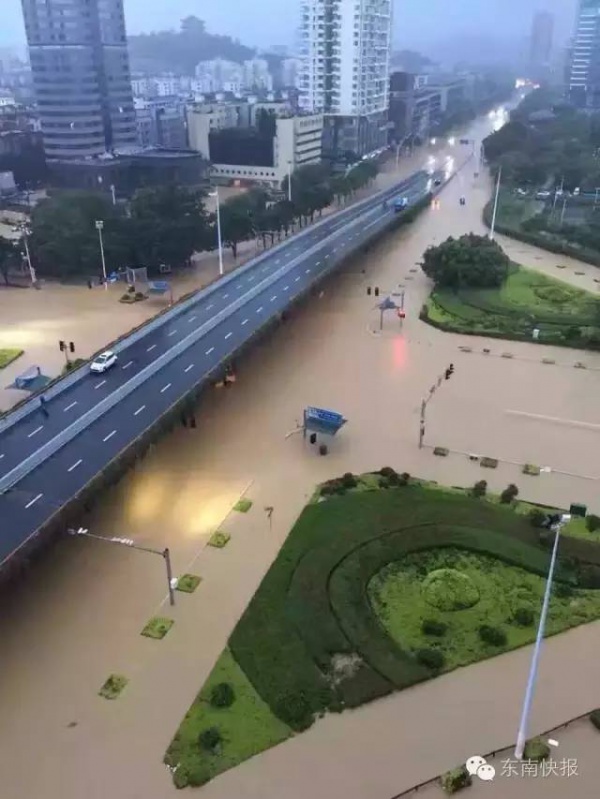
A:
x,y
34,500
245,322
172,333
307,271
189,368
296,279
37,430
164,388
68,408
151,347
99,385
139,410
192,318
225,296
127,365
258,310
208,307
286,288
75,465
229,335
109,436
208,352
273,298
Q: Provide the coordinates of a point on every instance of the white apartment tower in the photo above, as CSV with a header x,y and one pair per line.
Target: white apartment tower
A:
x,y
346,46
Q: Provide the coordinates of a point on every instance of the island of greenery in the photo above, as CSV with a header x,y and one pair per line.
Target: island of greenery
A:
x,y
384,581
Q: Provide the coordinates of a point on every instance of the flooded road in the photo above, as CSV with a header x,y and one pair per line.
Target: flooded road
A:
x,y
76,617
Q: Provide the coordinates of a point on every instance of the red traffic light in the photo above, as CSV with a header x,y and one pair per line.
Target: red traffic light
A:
x,y
401,313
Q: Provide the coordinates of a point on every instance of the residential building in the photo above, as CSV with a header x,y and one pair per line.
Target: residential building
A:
x,y
291,69
584,68
256,142
540,43
80,69
415,108
161,123
219,75
345,50
453,89
257,75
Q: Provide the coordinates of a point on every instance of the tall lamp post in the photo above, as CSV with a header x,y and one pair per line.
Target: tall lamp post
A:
x,y
215,193
25,236
128,542
493,227
522,732
100,228
290,181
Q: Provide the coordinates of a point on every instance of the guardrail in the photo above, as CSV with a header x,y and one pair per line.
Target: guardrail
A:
x,y
349,214
88,418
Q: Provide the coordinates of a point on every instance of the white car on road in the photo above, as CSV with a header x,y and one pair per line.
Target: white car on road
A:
x,y
103,362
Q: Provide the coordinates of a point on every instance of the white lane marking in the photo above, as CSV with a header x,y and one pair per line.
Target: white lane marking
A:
x,y
208,352
75,465
1,455
318,263
245,322
164,388
259,309
172,333
251,278
189,368
307,271
225,296
191,319
278,260
208,307
68,408
109,436
99,385
34,500
286,288
274,297
229,335
296,279
37,430
139,410
555,420
151,347
127,365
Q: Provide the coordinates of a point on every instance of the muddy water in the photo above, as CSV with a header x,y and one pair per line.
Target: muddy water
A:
x,y
77,616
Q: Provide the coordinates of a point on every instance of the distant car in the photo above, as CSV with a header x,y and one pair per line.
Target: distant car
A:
x,y
437,182
522,192
103,362
401,203
463,201
542,195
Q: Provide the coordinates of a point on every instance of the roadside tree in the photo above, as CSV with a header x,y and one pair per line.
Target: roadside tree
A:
x,y
467,262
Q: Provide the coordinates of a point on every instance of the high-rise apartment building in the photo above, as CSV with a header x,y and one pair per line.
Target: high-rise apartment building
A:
x,y
82,82
584,68
345,50
540,45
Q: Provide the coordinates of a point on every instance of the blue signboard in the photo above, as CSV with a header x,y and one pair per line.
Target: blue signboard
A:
x,y
321,420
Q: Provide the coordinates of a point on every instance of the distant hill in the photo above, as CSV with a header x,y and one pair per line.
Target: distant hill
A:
x,y
411,61
180,51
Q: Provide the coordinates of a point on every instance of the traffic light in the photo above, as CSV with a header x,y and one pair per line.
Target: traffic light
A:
x,y
368,291
71,346
449,371
62,345
377,291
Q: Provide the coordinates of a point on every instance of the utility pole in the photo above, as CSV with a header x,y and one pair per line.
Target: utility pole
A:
x,y
564,209
128,542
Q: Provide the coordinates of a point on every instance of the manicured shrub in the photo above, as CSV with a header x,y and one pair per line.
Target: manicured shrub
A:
x,y
510,493
431,658
404,479
294,709
210,738
433,627
394,480
523,617
480,488
222,695
494,636
592,522
384,482
563,590
595,718
387,471
455,780
536,749
537,517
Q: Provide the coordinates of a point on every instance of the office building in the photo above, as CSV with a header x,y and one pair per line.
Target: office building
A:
x,y
219,75
345,50
415,108
584,68
256,75
251,142
81,78
540,44
161,122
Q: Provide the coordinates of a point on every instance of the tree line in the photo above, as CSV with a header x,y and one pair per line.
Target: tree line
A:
x,y
167,225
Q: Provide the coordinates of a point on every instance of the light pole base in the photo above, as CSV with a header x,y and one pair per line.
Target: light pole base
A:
x,y
520,747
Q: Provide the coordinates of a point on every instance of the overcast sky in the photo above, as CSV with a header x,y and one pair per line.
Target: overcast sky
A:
x,y
266,22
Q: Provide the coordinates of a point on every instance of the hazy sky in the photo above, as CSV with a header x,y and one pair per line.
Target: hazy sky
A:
x,y
265,22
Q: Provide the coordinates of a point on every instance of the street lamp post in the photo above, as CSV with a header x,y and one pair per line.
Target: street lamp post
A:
x,y
522,732
128,542
289,181
493,227
25,235
100,228
215,193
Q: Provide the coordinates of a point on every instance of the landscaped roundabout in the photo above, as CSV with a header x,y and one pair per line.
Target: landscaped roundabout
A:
x,y
382,583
